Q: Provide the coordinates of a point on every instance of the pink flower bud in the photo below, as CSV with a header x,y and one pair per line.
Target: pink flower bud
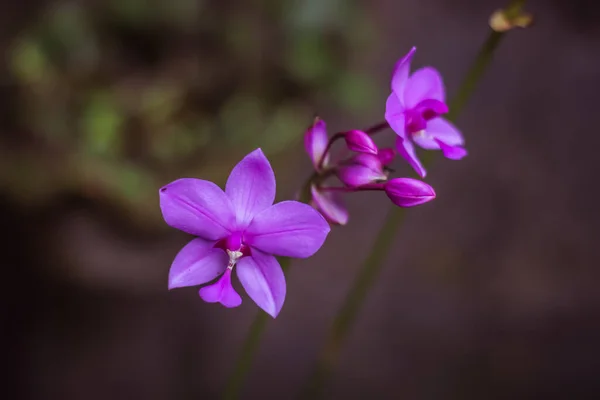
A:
x,y
315,142
330,205
362,170
360,142
386,156
408,192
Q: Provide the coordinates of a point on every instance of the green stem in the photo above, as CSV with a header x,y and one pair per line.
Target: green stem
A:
x,y
249,348
374,261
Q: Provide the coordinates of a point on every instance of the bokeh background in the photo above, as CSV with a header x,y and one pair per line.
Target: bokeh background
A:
x,y
490,292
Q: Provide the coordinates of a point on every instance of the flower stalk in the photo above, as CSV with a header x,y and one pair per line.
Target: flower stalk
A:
x,y
372,265
402,191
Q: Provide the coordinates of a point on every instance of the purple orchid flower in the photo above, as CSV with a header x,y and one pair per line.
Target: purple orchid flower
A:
x,y
414,111
239,227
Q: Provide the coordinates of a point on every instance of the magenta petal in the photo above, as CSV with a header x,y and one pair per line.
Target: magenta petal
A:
x,y
331,205
425,140
452,152
401,71
197,263
407,151
315,142
407,192
251,187
197,207
431,108
386,156
414,121
221,291
394,115
262,278
425,83
360,142
444,130
289,228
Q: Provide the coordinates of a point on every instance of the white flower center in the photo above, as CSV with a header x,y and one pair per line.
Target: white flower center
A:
x,y
233,257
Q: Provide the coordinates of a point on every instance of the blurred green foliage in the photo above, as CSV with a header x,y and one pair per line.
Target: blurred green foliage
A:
x,y
120,96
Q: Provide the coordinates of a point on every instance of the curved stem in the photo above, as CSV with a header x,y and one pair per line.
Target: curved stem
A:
x,y
332,140
372,186
377,128
374,261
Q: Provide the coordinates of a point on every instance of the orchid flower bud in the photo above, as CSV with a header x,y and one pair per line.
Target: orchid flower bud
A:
x,y
408,192
315,142
386,156
363,169
330,205
360,142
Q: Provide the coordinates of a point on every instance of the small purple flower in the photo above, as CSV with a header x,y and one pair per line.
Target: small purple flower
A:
x,y
315,142
362,169
360,142
330,204
413,111
239,227
408,192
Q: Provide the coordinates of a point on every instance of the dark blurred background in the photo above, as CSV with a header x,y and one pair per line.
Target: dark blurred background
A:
x,y
490,291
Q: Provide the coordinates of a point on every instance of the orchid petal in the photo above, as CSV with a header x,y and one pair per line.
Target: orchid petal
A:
x,y
425,83
331,205
315,142
444,130
251,187
394,115
452,152
407,151
431,108
401,72
414,121
221,291
197,263
408,192
197,207
263,279
289,228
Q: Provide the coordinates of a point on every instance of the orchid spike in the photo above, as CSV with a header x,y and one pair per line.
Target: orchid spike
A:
x,y
315,143
414,111
239,228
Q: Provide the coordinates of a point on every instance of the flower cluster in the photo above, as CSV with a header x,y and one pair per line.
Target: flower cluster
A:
x,y
241,228
414,111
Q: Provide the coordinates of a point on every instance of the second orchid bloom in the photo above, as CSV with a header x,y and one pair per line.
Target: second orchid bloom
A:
x,y
414,111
